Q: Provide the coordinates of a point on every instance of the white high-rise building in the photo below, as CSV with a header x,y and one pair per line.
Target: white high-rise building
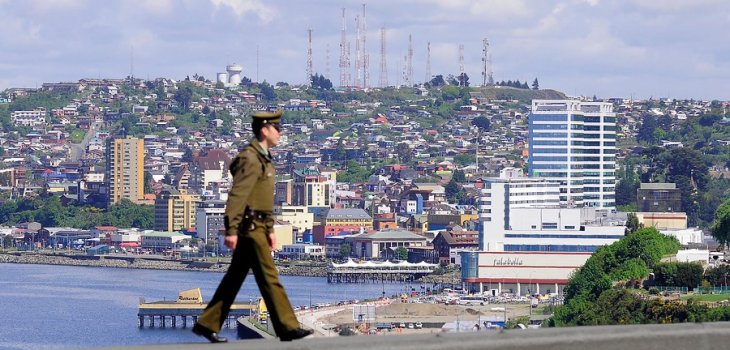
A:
x,y
574,143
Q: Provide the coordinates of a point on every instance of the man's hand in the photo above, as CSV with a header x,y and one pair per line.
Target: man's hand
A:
x,y
272,241
231,241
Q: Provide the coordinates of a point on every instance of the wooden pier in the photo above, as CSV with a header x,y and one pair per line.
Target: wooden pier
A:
x,y
188,306
380,272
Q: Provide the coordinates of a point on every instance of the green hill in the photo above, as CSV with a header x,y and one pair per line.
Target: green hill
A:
x,y
510,93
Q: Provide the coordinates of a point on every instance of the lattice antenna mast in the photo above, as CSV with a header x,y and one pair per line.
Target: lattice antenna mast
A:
x,y
404,72
487,79
349,74
344,51
428,62
310,69
461,64
409,62
365,55
383,64
358,53
327,62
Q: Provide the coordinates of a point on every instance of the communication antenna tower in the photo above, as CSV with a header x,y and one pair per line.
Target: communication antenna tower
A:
x,y
358,53
409,62
344,51
405,70
428,62
487,79
383,64
365,55
461,64
310,70
131,63
327,62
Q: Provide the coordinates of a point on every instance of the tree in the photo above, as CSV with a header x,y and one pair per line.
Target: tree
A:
x,y
401,253
450,93
535,85
148,182
718,276
267,91
482,123
679,274
464,159
463,79
646,130
453,191
721,225
458,176
438,81
184,96
404,152
632,223
7,241
320,82
345,251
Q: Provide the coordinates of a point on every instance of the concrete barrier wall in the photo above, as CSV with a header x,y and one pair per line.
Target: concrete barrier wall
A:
x,y
689,336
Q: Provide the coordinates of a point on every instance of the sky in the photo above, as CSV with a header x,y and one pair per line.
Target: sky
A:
x,y
621,48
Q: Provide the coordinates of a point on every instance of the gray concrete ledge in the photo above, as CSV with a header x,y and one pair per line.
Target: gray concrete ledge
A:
x,y
694,336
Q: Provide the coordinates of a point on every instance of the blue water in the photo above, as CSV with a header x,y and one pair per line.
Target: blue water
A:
x,y
59,307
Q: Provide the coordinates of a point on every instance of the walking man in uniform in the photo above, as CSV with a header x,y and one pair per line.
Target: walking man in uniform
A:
x,y
250,234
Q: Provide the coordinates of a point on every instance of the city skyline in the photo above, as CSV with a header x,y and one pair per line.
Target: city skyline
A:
x,y
637,49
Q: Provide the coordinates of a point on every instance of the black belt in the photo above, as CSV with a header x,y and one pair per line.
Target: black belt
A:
x,y
255,214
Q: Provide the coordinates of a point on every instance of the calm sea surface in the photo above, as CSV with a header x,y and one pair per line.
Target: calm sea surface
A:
x,y
61,307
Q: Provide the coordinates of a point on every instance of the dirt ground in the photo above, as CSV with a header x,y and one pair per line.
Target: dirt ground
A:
x,y
428,313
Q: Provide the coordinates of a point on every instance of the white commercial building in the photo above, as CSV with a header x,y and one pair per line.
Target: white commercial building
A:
x,y
301,251
526,237
574,143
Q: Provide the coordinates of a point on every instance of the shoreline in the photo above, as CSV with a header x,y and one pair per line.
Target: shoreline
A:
x,y
140,262
160,263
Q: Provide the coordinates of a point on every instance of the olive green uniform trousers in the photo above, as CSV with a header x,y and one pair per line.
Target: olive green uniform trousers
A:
x,y
252,253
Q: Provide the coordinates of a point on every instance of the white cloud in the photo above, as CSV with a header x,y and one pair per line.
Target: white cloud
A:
x,y
491,10
679,5
241,7
55,5
154,6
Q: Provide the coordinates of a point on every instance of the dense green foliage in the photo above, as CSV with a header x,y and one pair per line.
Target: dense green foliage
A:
x,y
593,296
688,166
678,274
353,173
627,259
721,224
701,194
50,212
718,276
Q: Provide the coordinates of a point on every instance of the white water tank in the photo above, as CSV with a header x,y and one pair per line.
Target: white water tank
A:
x,y
222,78
234,73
